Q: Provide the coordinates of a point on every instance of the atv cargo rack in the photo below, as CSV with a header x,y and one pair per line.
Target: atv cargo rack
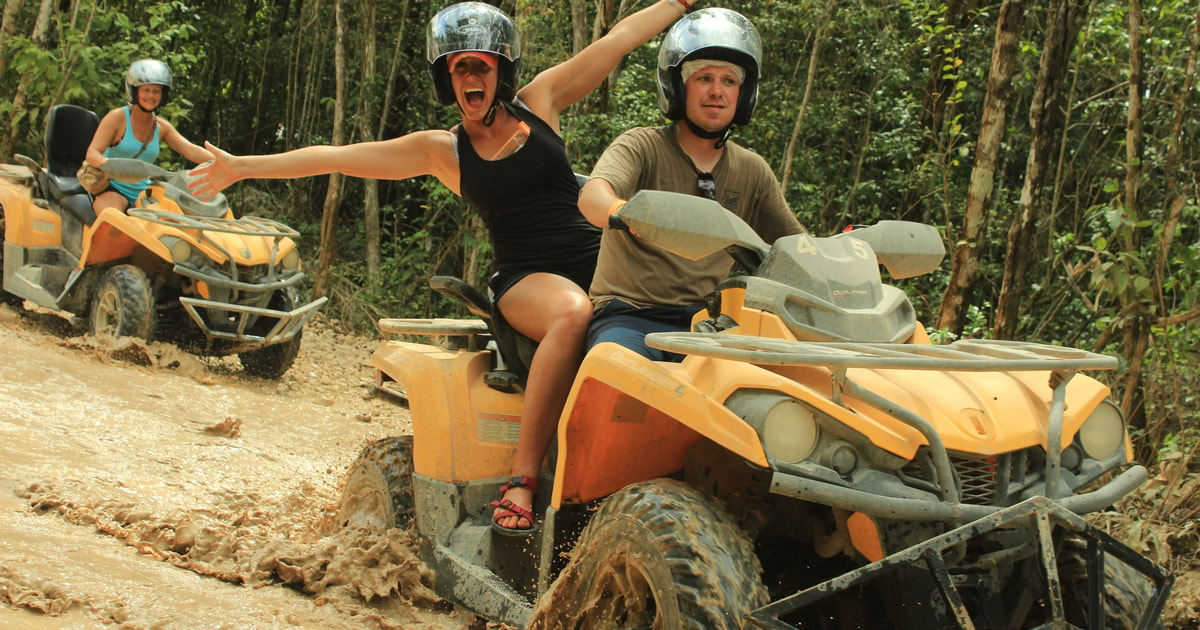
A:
x,y
1037,512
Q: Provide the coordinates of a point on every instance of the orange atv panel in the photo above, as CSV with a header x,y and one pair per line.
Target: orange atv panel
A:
x,y
115,236
40,227
990,424
459,436
632,419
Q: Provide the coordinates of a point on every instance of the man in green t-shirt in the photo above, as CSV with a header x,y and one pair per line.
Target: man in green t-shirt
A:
x,y
708,72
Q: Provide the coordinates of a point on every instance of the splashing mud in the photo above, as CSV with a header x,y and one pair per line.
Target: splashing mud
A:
x,y
145,487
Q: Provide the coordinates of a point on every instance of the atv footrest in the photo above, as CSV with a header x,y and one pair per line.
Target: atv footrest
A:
x,y
1045,514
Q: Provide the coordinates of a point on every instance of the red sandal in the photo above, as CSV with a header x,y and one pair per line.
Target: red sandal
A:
x,y
512,509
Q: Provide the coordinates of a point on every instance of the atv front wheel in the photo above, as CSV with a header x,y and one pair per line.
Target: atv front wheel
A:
x,y
123,305
378,492
1127,593
274,360
658,554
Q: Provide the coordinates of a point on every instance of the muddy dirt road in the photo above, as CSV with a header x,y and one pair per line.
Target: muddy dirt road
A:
x,y
141,487
177,494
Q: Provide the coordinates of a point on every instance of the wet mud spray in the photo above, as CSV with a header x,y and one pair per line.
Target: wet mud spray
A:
x,y
144,487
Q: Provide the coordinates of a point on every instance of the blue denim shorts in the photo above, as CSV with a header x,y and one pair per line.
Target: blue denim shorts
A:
x,y
628,326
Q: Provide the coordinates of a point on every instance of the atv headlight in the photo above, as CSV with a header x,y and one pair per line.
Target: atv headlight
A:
x,y
1103,432
787,427
290,261
789,431
180,249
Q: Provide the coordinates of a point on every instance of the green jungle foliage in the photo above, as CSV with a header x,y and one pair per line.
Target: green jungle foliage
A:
x,y
883,123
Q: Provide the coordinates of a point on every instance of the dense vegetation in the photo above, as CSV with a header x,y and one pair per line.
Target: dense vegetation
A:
x,y
1051,141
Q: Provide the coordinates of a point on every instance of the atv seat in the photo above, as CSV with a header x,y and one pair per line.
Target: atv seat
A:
x,y
69,131
514,349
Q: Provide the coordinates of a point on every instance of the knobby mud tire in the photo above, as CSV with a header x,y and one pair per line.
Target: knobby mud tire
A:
x,y
1126,592
378,493
657,554
275,360
272,361
123,305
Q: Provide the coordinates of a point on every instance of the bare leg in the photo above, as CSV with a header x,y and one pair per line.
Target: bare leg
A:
x,y
555,312
110,199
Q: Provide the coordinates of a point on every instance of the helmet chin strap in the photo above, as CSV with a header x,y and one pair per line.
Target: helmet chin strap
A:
x,y
721,135
490,116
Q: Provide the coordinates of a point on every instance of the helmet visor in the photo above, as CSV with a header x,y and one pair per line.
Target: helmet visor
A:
x,y
723,30
472,26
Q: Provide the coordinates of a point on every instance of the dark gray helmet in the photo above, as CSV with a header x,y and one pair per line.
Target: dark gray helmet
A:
x,y
148,72
712,33
472,26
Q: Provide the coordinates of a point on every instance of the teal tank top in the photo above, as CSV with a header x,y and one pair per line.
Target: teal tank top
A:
x,y
131,147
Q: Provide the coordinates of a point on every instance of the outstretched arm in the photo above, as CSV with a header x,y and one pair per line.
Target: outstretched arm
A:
x,y
561,86
419,153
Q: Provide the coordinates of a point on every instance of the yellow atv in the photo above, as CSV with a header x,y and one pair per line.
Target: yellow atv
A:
x,y
814,461
171,268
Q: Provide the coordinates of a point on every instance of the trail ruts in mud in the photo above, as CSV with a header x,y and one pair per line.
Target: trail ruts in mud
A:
x,y
144,487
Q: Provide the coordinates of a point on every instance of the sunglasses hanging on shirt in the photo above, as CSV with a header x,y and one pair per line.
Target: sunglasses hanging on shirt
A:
x,y
708,187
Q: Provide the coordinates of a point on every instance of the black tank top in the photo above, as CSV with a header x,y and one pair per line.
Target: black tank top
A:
x,y
529,202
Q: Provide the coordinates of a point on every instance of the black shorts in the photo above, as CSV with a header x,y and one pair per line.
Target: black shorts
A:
x,y
503,280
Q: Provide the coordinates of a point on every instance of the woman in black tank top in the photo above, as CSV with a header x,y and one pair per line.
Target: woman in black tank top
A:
x,y
508,160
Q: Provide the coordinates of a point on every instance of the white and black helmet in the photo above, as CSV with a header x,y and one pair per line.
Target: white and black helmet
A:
x,y
148,72
473,26
711,33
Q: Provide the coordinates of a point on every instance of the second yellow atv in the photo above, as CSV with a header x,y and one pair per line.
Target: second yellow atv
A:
x,y
814,461
171,267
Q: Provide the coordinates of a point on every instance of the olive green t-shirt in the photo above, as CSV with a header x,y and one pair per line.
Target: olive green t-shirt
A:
x,y
643,275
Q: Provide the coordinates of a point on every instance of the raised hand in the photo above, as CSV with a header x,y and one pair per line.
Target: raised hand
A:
x,y
212,177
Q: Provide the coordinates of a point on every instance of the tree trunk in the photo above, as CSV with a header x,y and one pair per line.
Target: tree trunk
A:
x,y
1045,118
966,250
1175,173
1136,338
366,114
8,26
20,99
333,193
789,154
393,72
579,39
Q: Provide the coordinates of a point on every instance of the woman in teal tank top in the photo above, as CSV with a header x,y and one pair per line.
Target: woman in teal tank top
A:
x,y
136,131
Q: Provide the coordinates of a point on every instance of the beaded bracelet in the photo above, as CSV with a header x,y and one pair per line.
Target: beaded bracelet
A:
x,y
682,4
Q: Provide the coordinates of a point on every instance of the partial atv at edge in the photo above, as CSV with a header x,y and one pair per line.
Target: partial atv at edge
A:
x,y
171,268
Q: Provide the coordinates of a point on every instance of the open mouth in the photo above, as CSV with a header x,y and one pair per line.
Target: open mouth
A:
x,y
474,97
